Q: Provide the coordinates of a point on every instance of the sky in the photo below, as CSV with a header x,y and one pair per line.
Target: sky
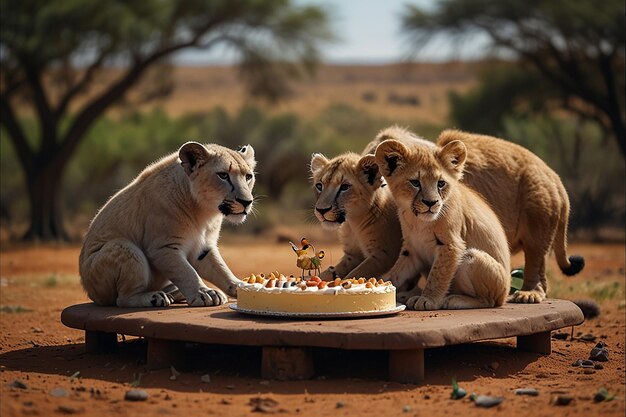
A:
x,y
368,32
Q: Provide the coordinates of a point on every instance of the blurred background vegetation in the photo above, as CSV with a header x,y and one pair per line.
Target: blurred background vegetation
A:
x,y
273,99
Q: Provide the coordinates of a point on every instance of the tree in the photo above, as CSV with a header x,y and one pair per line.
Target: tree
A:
x,y
577,46
53,52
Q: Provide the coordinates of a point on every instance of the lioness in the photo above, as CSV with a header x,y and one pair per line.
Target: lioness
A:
x,y
530,201
164,227
450,234
351,197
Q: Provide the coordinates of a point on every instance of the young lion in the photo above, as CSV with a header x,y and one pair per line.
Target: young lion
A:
x,y
352,197
530,201
164,227
450,234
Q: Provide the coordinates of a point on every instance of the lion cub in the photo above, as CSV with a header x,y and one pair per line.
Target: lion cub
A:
x,y
450,234
163,227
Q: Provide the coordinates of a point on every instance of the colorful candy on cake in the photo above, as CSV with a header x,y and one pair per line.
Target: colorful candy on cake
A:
x,y
281,293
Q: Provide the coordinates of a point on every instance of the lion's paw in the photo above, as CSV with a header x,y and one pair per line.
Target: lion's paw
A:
x,y
423,303
527,297
207,297
161,299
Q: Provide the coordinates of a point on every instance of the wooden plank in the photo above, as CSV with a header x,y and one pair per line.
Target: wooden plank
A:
x,y
406,330
538,342
100,342
164,353
287,363
406,365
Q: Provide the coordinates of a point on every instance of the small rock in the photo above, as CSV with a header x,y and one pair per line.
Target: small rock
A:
x,y
340,404
589,371
175,374
588,337
58,392
18,383
487,401
599,353
495,365
426,397
598,366
527,391
583,363
136,395
167,397
264,405
560,336
230,386
602,395
406,409
226,401
66,409
37,330
206,378
562,399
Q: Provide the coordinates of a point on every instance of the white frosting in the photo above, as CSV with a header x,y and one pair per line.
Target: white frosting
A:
x,y
295,289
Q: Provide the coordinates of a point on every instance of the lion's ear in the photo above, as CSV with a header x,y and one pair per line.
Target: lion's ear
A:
x,y
318,162
368,168
247,151
192,156
452,156
390,155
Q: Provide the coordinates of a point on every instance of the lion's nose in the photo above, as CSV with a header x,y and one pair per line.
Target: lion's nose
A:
x,y
429,203
323,211
244,203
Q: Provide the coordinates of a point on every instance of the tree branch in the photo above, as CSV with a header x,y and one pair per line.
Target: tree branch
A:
x,y
47,119
16,134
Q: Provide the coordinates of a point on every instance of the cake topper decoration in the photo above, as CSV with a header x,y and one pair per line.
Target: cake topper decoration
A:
x,y
305,261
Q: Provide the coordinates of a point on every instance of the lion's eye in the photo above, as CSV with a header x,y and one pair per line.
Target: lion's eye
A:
x,y
222,175
441,184
319,186
248,177
345,187
415,183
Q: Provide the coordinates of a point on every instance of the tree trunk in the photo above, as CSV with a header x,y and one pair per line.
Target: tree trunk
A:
x,y
617,124
44,194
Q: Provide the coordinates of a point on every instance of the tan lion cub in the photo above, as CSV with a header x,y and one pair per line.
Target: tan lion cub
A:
x,y
164,227
350,198
530,201
450,234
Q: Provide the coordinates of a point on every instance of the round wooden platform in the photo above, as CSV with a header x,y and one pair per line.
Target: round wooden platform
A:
x,y
405,334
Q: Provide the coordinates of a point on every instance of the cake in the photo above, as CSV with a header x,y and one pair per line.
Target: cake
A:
x,y
281,294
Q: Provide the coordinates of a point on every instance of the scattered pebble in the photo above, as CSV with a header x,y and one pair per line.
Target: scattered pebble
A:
x,y
487,401
340,404
588,337
175,374
495,365
58,392
560,336
264,405
37,330
589,371
426,397
599,353
590,308
406,409
230,386
602,395
562,400
527,391
66,409
583,363
206,378
226,401
18,383
598,366
136,395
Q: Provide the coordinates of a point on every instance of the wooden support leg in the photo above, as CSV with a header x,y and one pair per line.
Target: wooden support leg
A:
x,y
538,342
286,363
406,365
164,353
100,342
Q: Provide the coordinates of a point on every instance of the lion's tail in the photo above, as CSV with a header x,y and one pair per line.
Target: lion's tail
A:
x,y
573,264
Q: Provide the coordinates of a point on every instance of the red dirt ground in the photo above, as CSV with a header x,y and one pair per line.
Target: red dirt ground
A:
x,y
38,350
